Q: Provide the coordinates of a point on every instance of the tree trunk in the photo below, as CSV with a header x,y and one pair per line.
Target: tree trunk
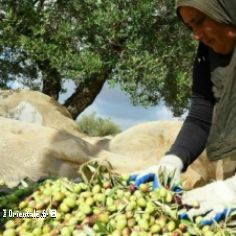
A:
x,y
85,94
51,80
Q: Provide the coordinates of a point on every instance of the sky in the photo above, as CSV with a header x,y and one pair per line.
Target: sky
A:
x,y
115,104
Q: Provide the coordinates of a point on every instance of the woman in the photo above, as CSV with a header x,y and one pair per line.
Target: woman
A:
x,y
211,121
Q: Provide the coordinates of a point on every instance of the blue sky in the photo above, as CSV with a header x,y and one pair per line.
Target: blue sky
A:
x,y
115,104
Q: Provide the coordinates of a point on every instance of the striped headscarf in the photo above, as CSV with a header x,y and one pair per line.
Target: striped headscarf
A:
x,y
223,11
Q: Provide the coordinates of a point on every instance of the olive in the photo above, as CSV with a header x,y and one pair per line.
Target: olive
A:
x,y
70,202
121,224
115,208
141,202
65,231
144,188
103,217
37,231
10,224
9,232
58,196
143,223
209,233
171,226
96,189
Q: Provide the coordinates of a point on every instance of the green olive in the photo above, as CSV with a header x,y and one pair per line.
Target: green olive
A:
x,y
23,204
86,209
144,188
209,233
9,232
37,231
141,202
70,202
163,192
10,224
64,208
58,196
143,223
65,231
96,189
171,226
156,228
121,224
103,217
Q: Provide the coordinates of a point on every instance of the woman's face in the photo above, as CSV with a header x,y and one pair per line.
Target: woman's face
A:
x,y
218,36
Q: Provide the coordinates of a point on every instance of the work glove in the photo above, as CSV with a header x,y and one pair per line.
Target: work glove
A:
x,y
171,165
215,200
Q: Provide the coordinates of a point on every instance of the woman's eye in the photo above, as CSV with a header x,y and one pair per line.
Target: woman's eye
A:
x,y
200,20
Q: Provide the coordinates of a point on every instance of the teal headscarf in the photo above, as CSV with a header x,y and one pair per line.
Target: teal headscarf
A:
x,y
223,11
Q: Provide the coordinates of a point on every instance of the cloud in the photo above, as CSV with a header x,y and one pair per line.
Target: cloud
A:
x,y
113,103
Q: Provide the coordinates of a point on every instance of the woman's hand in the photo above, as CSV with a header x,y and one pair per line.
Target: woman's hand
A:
x,y
215,200
171,165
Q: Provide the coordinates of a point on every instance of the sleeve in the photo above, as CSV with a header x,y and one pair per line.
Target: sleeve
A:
x,y
193,135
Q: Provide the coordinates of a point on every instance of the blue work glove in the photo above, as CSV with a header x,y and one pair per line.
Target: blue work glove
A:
x,y
170,164
216,201
147,177
221,215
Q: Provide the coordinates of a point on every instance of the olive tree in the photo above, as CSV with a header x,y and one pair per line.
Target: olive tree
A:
x,y
138,44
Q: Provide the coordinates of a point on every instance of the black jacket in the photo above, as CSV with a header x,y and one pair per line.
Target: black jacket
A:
x,y
193,135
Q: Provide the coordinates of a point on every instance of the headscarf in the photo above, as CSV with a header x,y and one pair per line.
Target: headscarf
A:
x,y
223,11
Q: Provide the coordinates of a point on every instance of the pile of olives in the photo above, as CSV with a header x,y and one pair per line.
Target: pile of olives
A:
x,y
101,207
